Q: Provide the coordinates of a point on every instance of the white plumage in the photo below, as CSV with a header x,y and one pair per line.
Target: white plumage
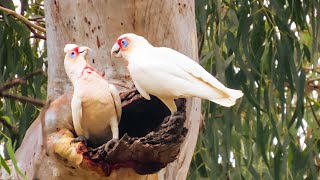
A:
x,y
168,74
95,104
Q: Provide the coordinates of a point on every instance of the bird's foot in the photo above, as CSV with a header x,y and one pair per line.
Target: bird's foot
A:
x,y
110,144
80,139
98,152
98,148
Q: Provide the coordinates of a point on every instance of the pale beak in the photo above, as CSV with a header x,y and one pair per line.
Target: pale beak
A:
x,y
115,51
83,50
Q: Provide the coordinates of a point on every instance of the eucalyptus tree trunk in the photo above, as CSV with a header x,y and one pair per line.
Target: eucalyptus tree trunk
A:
x,y
97,24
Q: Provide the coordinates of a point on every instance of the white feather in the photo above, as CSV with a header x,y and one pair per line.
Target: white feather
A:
x,y
76,106
95,105
116,99
69,47
166,73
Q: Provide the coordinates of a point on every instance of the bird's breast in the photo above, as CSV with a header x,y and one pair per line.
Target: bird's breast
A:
x,y
97,108
96,117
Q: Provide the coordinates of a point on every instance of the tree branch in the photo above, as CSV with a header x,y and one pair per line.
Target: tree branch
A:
x,y
313,112
312,80
12,83
22,18
38,19
35,34
20,80
22,8
311,69
33,101
44,141
37,37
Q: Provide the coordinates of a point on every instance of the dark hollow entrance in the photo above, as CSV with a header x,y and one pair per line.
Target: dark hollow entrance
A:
x,y
150,137
141,116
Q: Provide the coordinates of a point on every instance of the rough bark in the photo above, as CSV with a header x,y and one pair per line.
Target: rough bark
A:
x,y
155,141
97,24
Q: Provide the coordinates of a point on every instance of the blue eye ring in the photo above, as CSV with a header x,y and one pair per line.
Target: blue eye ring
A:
x,y
72,54
124,43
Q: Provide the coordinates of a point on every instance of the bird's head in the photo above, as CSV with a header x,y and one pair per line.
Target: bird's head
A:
x,y
75,60
127,43
83,51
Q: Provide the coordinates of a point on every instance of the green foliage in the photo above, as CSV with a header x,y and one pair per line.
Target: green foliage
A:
x,y
12,157
20,54
269,50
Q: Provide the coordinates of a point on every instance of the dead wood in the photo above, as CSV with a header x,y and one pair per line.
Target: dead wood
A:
x,y
151,138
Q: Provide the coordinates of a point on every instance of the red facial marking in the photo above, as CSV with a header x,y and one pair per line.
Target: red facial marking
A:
x,y
76,49
119,42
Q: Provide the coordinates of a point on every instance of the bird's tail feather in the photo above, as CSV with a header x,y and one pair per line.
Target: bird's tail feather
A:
x,y
230,100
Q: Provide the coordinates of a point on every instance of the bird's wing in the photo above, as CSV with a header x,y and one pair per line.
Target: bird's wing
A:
x,y
76,108
142,92
116,99
190,66
184,62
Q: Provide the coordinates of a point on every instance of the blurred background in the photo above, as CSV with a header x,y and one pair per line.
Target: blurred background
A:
x,y
267,48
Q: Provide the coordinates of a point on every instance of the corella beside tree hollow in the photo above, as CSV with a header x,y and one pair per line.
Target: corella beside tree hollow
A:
x,y
168,74
95,105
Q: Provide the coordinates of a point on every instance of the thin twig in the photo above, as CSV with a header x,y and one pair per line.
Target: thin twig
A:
x,y
33,101
22,18
313,87
12,83
33,73
21,8
44,149
311,69
36,19
313,113
35,34
312,80
20,80
37,37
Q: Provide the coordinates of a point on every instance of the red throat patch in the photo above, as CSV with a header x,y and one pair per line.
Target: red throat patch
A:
x,y
90,70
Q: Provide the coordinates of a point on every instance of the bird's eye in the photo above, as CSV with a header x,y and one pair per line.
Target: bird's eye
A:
x,y
124,43
72,55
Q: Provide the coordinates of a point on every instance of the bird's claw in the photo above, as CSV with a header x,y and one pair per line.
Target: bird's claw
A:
x,y
110,144
98,152
80,139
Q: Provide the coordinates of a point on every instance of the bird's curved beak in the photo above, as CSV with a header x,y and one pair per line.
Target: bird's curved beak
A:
x,y
83,50
115,51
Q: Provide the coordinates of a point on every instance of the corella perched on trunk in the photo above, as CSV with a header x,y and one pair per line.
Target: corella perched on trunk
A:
x,y
168,74
95,105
